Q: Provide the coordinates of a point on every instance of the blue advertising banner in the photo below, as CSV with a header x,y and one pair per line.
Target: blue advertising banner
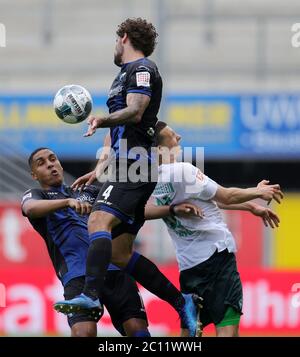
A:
x,y
227,126
239,126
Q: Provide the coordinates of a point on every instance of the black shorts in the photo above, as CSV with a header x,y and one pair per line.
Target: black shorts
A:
x,y
122,299
120,296
126,201
218,282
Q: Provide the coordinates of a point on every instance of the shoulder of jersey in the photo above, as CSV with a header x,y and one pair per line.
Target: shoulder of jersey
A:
x,y
27,191
32,190
182,164
143,67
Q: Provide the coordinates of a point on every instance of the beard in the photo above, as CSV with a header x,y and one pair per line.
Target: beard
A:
x,y
118,59
118,56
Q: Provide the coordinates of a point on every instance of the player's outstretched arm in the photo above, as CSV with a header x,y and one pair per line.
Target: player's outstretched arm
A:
x,y
269,217
184,209
132,114
41,208
234,195
102,164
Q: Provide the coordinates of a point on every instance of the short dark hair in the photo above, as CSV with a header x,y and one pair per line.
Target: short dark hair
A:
x,y
142,34
160,125
33,153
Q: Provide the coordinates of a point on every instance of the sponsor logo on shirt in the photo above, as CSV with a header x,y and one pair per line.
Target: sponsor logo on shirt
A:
x,y
52,193
86,198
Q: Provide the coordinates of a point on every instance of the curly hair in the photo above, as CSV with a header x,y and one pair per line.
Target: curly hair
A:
x,y
142,34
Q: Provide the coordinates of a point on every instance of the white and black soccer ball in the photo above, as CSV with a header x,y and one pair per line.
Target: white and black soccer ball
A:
x,y
72,104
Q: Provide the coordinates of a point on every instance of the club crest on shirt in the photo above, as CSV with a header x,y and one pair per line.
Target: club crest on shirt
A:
x,y
200,175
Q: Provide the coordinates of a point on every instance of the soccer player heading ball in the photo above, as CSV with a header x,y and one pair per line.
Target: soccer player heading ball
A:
x,y
133,102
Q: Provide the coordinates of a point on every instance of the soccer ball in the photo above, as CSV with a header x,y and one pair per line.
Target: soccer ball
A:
x,y
72,104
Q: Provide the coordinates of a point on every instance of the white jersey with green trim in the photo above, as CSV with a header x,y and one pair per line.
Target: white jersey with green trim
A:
x,y
195,239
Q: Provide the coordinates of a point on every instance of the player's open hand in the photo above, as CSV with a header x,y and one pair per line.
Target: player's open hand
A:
x,y
268,216
94,123
268,192
79,206
84,180
187,209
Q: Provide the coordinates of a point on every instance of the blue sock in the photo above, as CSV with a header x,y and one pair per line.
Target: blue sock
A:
x,y
98,259
142,333
130,266
150,277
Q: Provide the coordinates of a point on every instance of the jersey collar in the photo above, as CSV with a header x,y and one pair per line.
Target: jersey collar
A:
x,y
62,189
125,64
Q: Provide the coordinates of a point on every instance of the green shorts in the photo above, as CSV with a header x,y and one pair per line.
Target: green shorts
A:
x,y
218,282
231,317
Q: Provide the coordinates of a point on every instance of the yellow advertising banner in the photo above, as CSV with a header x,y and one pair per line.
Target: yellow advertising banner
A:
x,y
287,236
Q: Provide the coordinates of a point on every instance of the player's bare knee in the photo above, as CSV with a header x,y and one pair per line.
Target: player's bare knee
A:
x,y
101,221
120,259
228,331
122,249
134,326
84,329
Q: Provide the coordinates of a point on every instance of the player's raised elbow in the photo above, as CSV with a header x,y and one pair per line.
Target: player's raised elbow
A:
x,y
29,212
136,116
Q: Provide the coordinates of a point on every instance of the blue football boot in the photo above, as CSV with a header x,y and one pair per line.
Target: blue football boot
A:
x,y
79,303
188,314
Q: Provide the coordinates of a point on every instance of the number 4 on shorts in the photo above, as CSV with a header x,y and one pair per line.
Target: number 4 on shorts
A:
x,y
107,192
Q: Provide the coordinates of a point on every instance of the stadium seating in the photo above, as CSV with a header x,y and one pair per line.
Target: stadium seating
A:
x,y
65,41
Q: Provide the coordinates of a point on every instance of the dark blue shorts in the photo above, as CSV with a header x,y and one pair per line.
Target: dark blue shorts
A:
x,y
121,298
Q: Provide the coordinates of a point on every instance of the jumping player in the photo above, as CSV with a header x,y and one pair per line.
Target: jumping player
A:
x,y
133,102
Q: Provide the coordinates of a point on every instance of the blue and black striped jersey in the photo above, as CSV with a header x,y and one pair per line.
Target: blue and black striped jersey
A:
x,y
140,76
64,231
